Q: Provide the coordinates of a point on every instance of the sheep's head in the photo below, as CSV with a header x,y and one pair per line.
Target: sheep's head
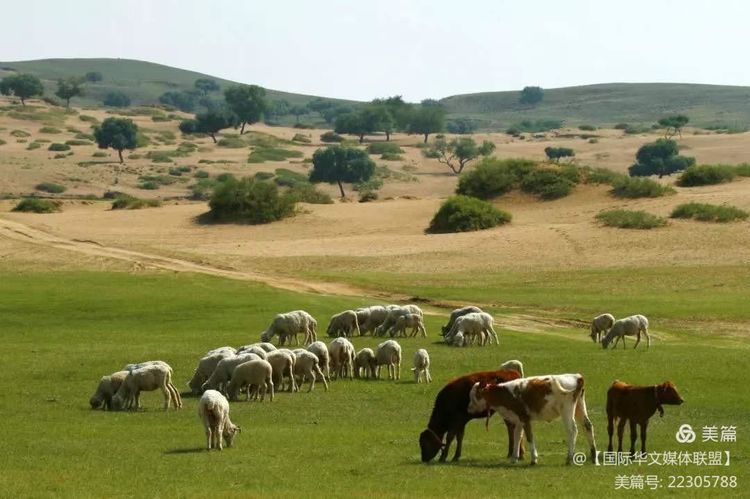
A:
x,y
230,430
593,336
606,341
96,401
117,402
265,336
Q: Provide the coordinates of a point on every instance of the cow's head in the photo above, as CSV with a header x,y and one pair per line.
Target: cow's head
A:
x,y
477,404
430,444
667,394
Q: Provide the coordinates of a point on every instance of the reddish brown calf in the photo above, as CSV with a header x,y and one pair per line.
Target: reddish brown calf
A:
x,y
636,404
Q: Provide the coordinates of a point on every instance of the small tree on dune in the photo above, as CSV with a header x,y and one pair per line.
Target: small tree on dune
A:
x,y
457,153
69,88
206,85
210,122
674,125
531,95
659,158
338,164
247,102
554,154
426,119
117,133
23,86
298,111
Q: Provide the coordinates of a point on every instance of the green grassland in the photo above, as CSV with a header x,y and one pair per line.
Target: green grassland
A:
x,y
63,330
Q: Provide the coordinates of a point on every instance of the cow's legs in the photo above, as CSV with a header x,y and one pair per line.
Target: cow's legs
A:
x,y
582,416
610,430
518,428
530,438
448,441
643,437
620,432
633,436
459,442
571,429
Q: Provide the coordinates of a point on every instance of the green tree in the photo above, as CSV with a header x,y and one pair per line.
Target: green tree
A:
x,y
674,125
116,99
93,76
319,105
206,85
279,108
210,122
249,201
554,154
426,119
247,102
338,164
659,158
298,111
117,133
23,86
457,153
69,88
531,95
359,123
184,101
393,114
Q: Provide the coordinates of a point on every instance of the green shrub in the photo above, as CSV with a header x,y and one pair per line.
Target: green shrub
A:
x,y
159,179
298,137
391,157
248,201
638,187
331,137
490,179
464,214
289,178
629,219
125,202
99,154
621,126
231,143
78,143
85,136
709,212
547,184
201,174
87,118
59,156
593,141
51,187
384,148
159,156
264,176
587,128
33,145
263,154
223,177
706,175
635,130
535,126
50,130
134,156
373,184
56,146
2,142
20,134
36,205
599,175
367,196
149,185
743,170
303,126
307,193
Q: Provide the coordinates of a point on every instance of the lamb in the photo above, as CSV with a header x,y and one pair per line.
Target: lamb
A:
x,y
472,325
256,375
394,312
147,378
600,325
341,352
421,366
389,354
107,388
414,321
373,317
307,365
629,326
365,363
516,365
256,349
344,324
219,379
459,312
213,409
282,362
324,360
206,367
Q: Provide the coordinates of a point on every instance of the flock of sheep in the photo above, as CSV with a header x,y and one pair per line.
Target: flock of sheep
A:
x,y
260,369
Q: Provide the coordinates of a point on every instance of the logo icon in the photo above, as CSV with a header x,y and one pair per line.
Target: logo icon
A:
x,y
685,435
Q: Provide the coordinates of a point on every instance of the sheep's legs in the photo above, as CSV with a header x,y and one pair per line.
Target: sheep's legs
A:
x,y
209,438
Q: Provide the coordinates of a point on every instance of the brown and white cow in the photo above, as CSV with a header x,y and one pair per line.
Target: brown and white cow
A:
x,y
636,404
545,398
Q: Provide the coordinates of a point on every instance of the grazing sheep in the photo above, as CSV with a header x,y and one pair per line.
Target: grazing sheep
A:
x,y
341,352
219,379
289,325
324,359
257,350
513,364
221,350
459,312
206,367
365,364
145,379
254,375
600,325
629,326
457,340
373,317
414,321
394,312
107,388
421,366
344,324
268,347
473,325
282,362
307,365
389,354
363,317
213,409
133,367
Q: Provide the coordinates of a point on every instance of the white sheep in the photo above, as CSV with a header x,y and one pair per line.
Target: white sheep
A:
x,y
344,324
219,379
256,376
413,321
394,312
459,312
363,317
513,364
457,340
288,325
341,352
307,366
421,366
213,410
310,326
268,347
215,351
324,359
282,361
600,325
629,326
473,325
370,318
206,367
108,386
256,349
144,379
365,364
389,354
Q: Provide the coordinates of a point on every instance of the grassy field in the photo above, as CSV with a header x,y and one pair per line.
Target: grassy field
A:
x,y
62,331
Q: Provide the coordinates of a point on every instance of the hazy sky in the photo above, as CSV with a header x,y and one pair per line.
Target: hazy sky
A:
x,y
419,49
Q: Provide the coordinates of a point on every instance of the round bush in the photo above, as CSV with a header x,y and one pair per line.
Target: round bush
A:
x,y
630,219
465,214
638,187
58,147
709,212
51,187
547,184
331,137
494,177
248,201
706,175
36,205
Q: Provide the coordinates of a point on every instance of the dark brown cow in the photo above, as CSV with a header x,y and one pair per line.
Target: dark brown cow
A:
x,y
636,404
450,414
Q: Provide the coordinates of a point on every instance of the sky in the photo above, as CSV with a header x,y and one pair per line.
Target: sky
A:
x,y
415,48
